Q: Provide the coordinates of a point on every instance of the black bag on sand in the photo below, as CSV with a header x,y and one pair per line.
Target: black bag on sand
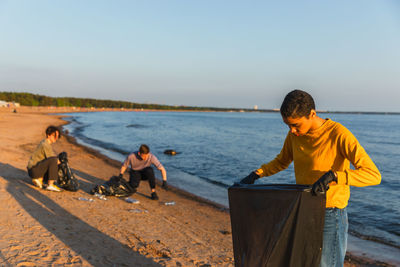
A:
x,y
66,178
276,225
116,186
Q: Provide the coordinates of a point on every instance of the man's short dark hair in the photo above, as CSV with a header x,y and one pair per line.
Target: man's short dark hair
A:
x,y
144,149
297,104
52,129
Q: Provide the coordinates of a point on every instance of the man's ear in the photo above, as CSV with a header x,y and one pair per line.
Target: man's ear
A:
x,y
313,114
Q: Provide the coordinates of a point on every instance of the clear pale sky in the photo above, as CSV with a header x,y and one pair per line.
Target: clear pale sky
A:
x,y
205,53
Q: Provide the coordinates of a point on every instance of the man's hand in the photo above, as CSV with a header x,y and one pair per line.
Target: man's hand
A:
x,y
322,185
120,176
164,185
250,179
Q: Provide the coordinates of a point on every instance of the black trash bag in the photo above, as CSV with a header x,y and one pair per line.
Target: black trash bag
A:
x,y
276,225
66,178
116,186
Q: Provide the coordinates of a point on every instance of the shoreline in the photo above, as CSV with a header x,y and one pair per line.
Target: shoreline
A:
x,y
358,256
72,140
351,260
42,228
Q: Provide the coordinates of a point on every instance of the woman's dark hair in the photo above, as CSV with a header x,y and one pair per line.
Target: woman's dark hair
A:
x,y
52,129
297,104
144,149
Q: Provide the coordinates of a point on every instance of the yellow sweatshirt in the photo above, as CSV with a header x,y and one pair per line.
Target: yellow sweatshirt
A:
x,y
330,147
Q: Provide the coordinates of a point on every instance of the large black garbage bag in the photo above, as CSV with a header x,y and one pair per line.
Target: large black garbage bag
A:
x,y
116,186
66,178
276,225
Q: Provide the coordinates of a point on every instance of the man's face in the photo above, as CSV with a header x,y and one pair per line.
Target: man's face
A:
x,y
299,126
54,137
144,156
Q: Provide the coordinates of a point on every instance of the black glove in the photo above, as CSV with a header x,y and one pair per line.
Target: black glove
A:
x,y
120,176
250,179
164,185
62,157
322,185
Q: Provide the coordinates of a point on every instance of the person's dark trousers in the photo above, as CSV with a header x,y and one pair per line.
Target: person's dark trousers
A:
x,y
47,168
145,174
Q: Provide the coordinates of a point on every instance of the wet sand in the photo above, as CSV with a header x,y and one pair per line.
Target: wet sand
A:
x,y
42,228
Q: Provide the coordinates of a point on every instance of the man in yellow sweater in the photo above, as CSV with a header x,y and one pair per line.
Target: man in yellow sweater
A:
x,y
321,151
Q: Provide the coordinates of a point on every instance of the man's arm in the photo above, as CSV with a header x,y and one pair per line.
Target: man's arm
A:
x,y
124,166
365,173
123,169
163,173
164,177
281,161
159,166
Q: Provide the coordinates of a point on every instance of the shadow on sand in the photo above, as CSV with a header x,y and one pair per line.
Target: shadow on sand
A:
x,y
69,229
4,261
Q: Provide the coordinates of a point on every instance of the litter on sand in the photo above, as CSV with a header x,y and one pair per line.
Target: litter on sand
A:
x,y
85,199
100,196
138,211
132,200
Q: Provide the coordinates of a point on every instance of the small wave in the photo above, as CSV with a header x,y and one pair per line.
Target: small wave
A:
x,y
374,239
101,144
221,184
73,120
136,126
385,143
211,181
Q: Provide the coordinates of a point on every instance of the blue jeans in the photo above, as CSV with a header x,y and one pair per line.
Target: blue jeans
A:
x,y
335,237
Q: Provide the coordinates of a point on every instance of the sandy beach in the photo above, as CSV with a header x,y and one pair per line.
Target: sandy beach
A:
x,y
42,228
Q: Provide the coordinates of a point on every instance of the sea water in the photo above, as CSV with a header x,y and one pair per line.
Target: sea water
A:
x,y
218,148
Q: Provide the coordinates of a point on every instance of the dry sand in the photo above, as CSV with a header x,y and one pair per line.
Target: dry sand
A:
x,y
42,228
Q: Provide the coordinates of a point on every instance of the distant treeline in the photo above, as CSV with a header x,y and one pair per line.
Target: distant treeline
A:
x,y
28,99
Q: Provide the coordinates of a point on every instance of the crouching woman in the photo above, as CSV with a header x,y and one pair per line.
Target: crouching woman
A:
x,y
43,164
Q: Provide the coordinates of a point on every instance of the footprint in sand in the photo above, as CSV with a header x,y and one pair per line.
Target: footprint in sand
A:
x,y
26,263
12,248
32,253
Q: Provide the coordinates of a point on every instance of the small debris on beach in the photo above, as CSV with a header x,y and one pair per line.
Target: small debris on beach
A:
x,y
132,200
138,211
100,196
85,199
